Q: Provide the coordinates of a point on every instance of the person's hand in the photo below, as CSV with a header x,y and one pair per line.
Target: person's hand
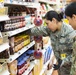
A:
x,y
57,66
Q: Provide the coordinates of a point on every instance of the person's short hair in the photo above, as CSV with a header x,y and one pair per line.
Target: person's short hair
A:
x,y
70,9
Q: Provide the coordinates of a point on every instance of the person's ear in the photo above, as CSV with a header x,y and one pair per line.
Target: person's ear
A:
x,y
54,20
74,16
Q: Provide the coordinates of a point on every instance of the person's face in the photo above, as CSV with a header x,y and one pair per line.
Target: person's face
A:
x,y
72,21
52,25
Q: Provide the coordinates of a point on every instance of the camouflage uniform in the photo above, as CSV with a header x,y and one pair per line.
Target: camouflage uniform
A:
x,y
73,68
61,42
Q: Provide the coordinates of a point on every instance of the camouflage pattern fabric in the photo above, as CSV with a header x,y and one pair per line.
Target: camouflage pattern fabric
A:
x,y
73,68
61,40
65,69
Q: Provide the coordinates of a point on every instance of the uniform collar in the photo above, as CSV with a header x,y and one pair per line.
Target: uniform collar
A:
x,y
63,29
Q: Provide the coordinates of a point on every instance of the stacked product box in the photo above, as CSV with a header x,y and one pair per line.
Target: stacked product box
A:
x,y
23,64
24,61
47,54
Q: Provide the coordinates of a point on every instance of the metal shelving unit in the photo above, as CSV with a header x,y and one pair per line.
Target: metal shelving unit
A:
x,y
17,31
4,46
4,18
19,53
26,4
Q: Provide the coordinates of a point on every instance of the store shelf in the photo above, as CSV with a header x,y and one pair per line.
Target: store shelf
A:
x,y
15,3
14,32
19,53
4,18
4,46
32,64
33,5
27,4
48,2
46,64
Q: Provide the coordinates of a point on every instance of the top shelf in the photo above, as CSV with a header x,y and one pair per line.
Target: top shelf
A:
x,y
27,4
8,3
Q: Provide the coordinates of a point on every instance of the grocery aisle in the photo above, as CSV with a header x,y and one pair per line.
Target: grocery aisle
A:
x,y
18,55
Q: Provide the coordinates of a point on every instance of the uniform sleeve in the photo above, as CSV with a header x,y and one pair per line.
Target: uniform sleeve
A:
x,y
73,68
42,30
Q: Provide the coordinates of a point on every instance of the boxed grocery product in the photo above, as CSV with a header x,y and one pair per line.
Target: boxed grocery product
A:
x,y
23,13
28,20
26,40
3,11
5,54
23,63
13,68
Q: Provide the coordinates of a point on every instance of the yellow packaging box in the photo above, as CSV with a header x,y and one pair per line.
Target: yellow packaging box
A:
x,y
3,11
